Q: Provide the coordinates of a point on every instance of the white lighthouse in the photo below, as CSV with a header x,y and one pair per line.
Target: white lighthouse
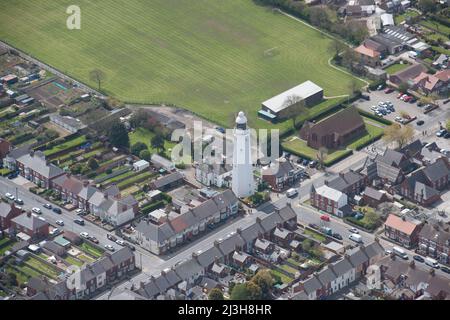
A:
x,y
243,180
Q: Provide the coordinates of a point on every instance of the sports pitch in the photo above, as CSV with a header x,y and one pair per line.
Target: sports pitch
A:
x,y
212,57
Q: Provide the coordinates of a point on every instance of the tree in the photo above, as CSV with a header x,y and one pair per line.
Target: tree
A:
x,y
137,148
427,6
403,87
145,155
448,125
399,134
118,135
307,245
353,87
296,107
263,279
158,142
246,291
139,118
336,47
97,76
215,294
92,164
321,156
372,218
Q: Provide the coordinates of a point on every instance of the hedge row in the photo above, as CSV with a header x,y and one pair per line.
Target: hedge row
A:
x,y
374,117
329,163
153,206
368,142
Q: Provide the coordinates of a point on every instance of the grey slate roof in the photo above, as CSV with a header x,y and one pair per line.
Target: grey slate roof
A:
x,y
206,258
357,257
270,221
230,243
341,267
188,269
262,244
154,232
240,256
121,255
436,170
172,278
38,164
427,192
162,283
312,285
436,234
166,180
373,193
251,232
374,249
287,213
31,223
326,276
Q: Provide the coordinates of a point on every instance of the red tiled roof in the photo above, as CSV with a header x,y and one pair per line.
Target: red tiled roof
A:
x,y
399,224
362,49
443,75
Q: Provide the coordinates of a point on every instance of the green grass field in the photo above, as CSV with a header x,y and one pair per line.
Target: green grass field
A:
x,y
396,67
210,56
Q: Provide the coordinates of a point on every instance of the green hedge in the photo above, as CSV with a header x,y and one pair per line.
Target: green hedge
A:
x,y
374,117
329,163
368,142
153,206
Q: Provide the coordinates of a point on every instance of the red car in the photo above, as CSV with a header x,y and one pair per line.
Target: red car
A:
x,y
388,90
401,94
325,218
407,99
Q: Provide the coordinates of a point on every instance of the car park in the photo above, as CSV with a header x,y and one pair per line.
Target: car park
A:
x,y
419,258
84,235
47,206
57,210
36,210
109,247
60,223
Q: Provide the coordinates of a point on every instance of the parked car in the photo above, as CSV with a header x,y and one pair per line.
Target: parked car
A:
x,y
325,218
79,222
36,210
388,252
354,230
84,235
132,248
413,100
94,240
313,164
447,135
9,196
13,175
57,210
337,236
120,242
60,223
419,258
380,87
19,201
401,94
221,130
109,247
388,90
441,133
305,162
313,226
445,269
420,123
111,237
365,97
54,232
292,193
47,206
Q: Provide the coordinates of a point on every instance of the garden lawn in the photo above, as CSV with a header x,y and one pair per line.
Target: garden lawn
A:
x,y
74,261
145,136
315,235
212,57
396,67
402,17
44,268
372,133
298,146
285,279
65,145
434,25
93,251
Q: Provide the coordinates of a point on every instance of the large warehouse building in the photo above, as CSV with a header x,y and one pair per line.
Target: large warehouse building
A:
x,y
281,106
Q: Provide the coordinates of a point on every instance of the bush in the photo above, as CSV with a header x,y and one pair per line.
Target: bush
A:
x,y
152,207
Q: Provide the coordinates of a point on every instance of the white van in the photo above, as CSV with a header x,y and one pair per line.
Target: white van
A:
x,y
291,193
355,237
431,262
400,252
